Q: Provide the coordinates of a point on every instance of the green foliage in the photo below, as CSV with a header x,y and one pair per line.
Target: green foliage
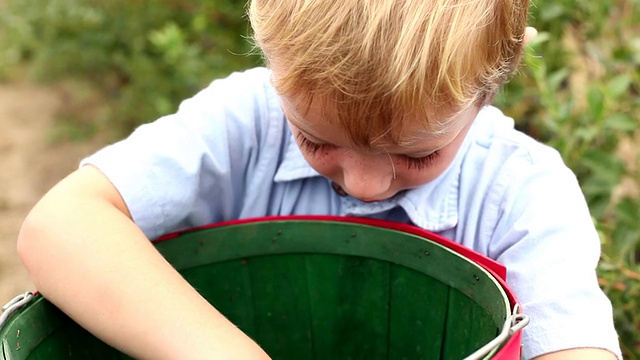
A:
x,y
578,90
142,58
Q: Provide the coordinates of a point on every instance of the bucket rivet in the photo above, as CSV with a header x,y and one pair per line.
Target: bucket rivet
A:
x,y
18,333
426,253
18,345
279,232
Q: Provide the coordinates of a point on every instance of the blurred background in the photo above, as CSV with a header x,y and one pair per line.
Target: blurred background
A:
x,y
78,74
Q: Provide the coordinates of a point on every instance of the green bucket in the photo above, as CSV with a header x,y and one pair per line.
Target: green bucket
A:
x,y
316,288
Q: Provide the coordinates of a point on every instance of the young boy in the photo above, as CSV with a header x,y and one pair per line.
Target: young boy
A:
x,y
369,108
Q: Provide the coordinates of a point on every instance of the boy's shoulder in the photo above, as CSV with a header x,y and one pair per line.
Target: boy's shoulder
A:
x,y
256,77
237,88
243,100
257,74
496,133
502,162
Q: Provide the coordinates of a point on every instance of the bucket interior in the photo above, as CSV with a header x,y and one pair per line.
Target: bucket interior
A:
x,y
310,290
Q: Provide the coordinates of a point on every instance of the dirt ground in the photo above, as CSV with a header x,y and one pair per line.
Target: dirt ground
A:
x,y
30,163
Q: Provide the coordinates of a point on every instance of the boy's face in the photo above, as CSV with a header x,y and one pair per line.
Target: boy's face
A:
x,y
373,175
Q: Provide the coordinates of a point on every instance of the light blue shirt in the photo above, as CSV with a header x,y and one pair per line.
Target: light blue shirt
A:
x,y
229,154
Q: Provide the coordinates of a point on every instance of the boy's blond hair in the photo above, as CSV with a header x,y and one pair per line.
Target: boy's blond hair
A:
x,y
378,62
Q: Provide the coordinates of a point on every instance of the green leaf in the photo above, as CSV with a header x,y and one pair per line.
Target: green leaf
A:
x,y
587,133
542,37
619,85
552,10
595,98
621,122
557,78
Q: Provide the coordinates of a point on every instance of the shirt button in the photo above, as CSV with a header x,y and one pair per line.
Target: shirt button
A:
x,y
338,189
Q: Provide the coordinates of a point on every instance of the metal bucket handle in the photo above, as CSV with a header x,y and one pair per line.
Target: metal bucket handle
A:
x,y
514,323
14,305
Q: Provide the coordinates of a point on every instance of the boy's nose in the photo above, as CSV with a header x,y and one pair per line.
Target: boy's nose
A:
x,y
367,178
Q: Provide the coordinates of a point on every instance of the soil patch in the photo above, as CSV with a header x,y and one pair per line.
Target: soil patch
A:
x,y
30,164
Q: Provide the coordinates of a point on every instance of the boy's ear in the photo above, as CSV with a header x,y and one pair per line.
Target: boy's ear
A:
x,y
529,34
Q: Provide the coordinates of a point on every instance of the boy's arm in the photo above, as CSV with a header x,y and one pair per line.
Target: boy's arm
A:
x,y
579,354
85,254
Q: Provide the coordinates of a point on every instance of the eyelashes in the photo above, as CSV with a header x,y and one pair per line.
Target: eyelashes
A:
x,y
311,147
409,162
421,162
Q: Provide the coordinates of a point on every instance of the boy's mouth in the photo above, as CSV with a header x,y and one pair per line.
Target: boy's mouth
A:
x,y
338,189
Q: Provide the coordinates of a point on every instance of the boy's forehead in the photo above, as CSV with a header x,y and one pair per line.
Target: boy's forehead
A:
x,y
316,113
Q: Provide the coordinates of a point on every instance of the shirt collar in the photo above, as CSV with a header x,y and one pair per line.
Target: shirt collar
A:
x,y
293,165
433,206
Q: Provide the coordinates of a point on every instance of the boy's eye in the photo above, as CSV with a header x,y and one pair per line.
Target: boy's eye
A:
x,y
309,146
421,162
412,163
